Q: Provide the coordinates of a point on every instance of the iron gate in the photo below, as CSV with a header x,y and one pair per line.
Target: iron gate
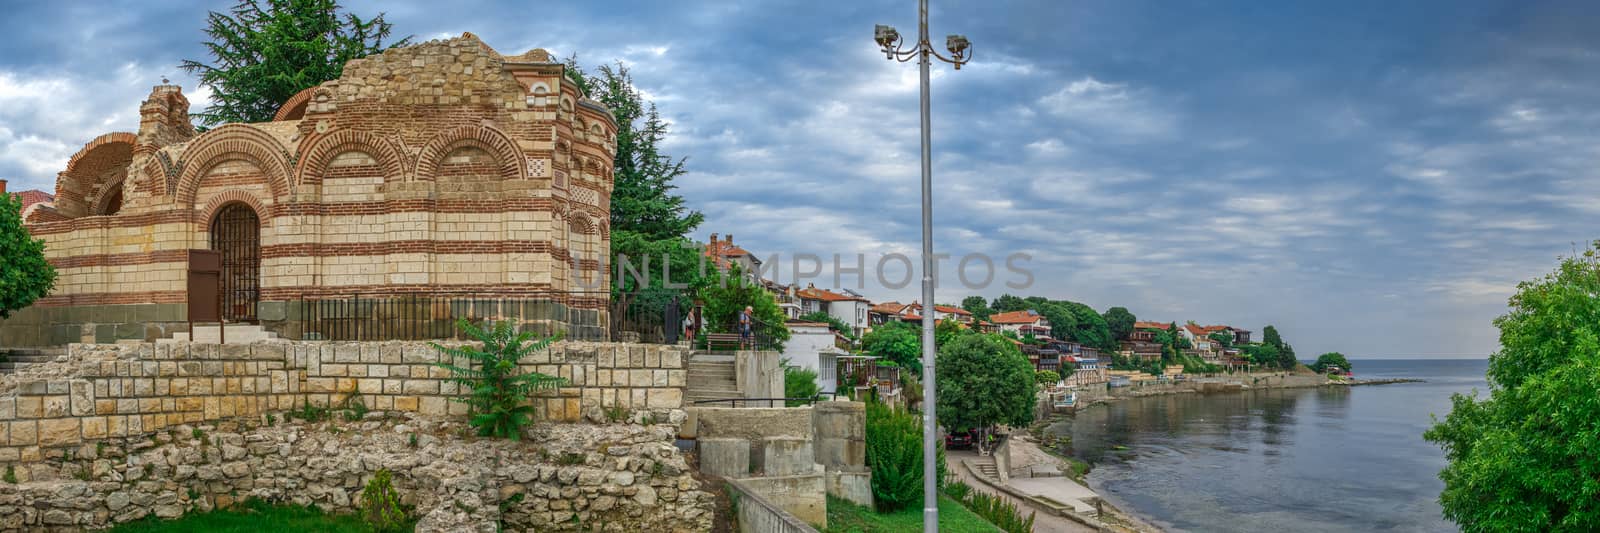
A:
x,y
236,233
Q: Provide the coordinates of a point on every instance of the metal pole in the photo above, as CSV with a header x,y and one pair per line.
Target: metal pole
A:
x,y
930,386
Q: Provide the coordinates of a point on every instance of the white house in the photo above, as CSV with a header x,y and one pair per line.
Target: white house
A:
x,y
811,345
852,310
1022,322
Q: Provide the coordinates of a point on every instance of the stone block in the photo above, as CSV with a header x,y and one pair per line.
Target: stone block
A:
x,y
724,457
81,393
433,406
94,427
59,432
24,432
787,456
665,398
30,407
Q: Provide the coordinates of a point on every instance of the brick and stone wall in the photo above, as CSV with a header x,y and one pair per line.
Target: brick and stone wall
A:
x,y
443,166
102,391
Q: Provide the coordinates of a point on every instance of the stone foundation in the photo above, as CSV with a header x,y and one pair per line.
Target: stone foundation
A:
x,y
569,477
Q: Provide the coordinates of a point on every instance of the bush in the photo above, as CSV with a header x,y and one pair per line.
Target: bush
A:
x,y
894,452
380,504
490,383
1330,359
799,382
998,511
1046,377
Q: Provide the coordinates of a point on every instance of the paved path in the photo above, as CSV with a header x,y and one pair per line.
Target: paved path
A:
x,y
1044,520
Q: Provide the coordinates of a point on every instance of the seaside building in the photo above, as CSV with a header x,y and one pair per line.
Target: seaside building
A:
x,y
442,174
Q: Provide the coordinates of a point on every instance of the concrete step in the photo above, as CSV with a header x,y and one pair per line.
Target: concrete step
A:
x,y
234,334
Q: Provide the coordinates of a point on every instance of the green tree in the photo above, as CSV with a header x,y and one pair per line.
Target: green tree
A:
x,y
27,276
977,306
984,380
833,323
799,382
1046,377
1223,338
1286,358
1120,322
490,382
947,330
1330,359
265,51
1007,303
896,341
1523,459
1179,341
727,297
894,453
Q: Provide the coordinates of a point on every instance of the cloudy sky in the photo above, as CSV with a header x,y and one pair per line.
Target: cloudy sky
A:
x,y
1371,177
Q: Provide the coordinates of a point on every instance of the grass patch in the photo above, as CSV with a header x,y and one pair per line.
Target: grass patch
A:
x,y
253,516
846,517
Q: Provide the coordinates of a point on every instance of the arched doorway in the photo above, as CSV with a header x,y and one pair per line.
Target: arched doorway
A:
x,y
236,232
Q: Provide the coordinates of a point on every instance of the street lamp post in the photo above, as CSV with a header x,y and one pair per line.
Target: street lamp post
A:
x,y
960,53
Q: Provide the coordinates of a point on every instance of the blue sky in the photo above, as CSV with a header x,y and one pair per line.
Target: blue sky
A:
x,y
1371,177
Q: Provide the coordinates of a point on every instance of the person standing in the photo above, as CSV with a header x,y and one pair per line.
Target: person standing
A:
x,y
746,338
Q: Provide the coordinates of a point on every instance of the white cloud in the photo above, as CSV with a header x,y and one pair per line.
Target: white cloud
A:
x,y
1110,111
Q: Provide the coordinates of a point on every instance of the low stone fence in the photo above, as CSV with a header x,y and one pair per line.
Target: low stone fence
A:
x,y
757,515
101,391
793,457
565,477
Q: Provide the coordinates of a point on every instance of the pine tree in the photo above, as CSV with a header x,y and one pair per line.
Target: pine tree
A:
x,y
265,51
497,393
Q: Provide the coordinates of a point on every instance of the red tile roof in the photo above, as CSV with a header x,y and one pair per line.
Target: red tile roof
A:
x,y
1201,331
825,295
34,196
1016,317
889,308
1151,325
952,310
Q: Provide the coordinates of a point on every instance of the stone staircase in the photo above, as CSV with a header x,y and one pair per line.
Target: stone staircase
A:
x,y
985,467
17,358
711,377
235,334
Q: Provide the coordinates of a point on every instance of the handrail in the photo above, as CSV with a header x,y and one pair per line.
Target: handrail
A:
x,y
733,402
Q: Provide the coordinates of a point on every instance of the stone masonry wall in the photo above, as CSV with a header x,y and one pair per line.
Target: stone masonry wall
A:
x,y
122,390
565,477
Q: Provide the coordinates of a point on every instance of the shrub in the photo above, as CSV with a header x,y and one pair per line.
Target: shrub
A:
x,y
497,394
998,511
380,504
894,452
799,382
1046,377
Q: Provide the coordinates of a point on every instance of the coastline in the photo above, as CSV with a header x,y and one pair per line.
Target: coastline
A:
x,y
1120,508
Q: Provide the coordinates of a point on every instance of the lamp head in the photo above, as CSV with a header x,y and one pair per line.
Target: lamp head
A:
x,y
886,36
957,44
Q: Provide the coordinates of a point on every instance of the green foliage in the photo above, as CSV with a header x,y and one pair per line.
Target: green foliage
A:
x,y
724,300
354,408
1523,459
497,394
833,323
251,515
894,452
847,517
310,413
1330,359
571,458
945,331
799,382
1179,342
1046,377
994,509
1007,303
1223,338
977,306
380,504
10,475
1285,357
896,341
1120,322
984,380
27,276
265,51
